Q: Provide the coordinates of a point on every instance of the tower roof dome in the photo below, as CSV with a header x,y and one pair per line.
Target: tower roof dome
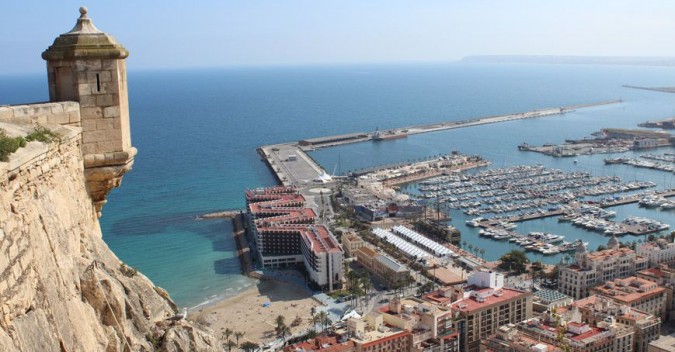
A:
x,y
613,243
85,41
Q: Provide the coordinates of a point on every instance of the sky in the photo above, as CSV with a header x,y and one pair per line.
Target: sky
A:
x,y
183,34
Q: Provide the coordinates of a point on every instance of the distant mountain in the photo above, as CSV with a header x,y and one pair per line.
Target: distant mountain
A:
x,y
578,60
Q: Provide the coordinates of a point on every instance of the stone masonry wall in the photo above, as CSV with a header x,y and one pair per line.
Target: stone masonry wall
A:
x,y
102,93
60,113
61,288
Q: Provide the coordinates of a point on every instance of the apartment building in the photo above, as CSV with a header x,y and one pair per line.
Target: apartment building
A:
x,y
592,268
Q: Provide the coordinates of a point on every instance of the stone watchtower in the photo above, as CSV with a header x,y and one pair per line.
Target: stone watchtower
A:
x,y
87,66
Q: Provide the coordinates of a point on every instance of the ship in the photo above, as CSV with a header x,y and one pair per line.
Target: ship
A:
x,y
389,134
615,161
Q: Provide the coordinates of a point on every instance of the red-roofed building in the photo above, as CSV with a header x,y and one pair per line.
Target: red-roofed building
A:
x,y
398,341
664,277
285,235
597,309
552,333
636,293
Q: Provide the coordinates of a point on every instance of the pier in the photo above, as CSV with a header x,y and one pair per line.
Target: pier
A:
x,y
293,167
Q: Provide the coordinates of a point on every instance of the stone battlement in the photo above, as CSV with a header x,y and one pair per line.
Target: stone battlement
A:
x,y
60,113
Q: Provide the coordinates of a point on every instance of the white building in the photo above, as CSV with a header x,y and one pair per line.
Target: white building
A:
x,y
593,268
658,252
485,278
322,256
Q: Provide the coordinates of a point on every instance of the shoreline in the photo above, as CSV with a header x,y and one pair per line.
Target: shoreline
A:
x,y
246,311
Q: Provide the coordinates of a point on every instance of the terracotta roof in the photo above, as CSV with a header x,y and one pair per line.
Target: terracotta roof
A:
x,y
629,289
471,304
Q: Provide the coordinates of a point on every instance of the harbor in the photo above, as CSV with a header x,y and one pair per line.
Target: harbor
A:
x,y
291,164
520,194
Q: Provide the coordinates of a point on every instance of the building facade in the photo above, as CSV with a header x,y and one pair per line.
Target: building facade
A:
x,y
658,252
351,242
383,266
646,327
487,308
664,277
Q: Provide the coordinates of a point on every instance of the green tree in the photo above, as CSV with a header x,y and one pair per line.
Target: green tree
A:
x,y
514,260
427,287
537,269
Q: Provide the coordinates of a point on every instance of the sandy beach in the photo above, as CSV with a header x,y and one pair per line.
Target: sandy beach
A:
x,y
245,312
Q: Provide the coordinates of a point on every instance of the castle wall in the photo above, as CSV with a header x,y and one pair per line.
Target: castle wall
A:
x,y
58,113
61,288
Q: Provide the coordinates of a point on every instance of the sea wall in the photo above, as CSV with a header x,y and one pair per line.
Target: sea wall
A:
x,y
61,288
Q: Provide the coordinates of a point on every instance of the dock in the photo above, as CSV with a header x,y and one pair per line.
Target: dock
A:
x,y
292,166
546,214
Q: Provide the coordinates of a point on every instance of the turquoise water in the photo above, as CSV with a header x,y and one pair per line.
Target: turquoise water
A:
x,y
197,130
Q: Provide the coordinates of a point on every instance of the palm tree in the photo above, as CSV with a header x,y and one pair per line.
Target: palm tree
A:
x,y
238,335
366,284
326,322
280,321
482,253
226,334
229,344
470,248
249,346
285,331
322,317
463,244
315,320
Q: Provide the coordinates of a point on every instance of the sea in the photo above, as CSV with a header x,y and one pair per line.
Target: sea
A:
x,y
197,131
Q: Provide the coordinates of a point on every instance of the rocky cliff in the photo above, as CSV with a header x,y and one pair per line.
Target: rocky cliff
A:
x,y
61,288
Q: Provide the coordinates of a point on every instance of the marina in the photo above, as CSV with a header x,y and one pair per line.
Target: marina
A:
x,y
501,197
661,162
